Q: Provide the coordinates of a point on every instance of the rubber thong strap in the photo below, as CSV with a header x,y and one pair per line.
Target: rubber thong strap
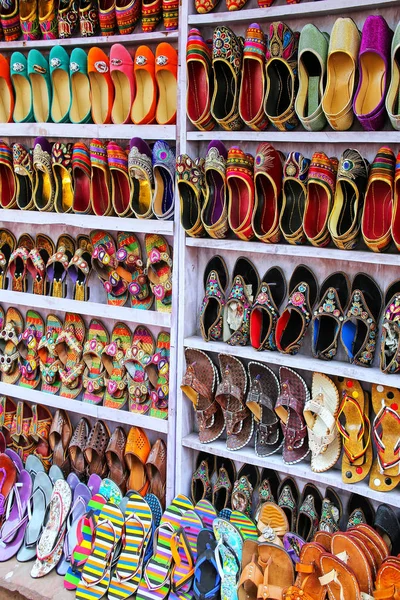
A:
x,y
180,538
220,567
385,411
108,556
365,425
22,519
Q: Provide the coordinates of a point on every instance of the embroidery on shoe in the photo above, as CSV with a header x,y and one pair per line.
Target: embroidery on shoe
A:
x,y
390,345
356,517
286,500
329,517
329,306
308,508
202,474
359,309
242,495
264,300
213,290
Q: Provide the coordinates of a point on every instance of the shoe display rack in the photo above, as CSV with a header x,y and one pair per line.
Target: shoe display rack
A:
x,y
196,252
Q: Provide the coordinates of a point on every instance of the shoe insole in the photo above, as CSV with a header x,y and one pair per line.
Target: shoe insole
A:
x,y
81,191
312,67
216,197
7,186
80,90
317,210
238,202
378,210
260,325
144,96
252,92
5,101
122,99
324,333
23,190
292,218
340,90
166,107
266,207
293,329
280,90
165,191
347,214
189,208
225,91
197,90
61,95
211,313
40,96
100,191
99,94
64,187
43,189
141,196
372,87
23,97
121,191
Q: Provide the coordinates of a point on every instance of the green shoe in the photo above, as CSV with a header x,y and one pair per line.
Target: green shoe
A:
x,y
393,95
80,111
39,75
23,108
59,73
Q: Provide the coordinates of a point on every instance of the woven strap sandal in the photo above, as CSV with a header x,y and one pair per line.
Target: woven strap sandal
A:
x,y
8,244
94,375
236,317
59,438
158,372
12,326
137,357
112,357
129,253
69,348
57,266
265,311
28,350
159,270
17,264
211,313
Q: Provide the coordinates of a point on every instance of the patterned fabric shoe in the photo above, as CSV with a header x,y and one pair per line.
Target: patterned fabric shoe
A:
x,y
170,14
295,174
107,18
151,14
29,20
252,89
10,20
288,499
265,312
309,512
127,13
23,170
214,214
198,65
67,18
268,186
241,192
212,308
190,178
48,19
163,158
236,321
235,4
88,18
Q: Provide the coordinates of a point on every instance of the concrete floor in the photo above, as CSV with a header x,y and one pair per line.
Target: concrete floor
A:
x,y
17,584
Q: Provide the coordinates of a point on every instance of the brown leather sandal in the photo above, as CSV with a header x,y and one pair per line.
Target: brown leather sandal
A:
x,y
96,448
115,458
278,571
59,439
350,552
156,467
77,447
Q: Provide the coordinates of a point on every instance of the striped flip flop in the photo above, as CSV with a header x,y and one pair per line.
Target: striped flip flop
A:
x,y
113,359
184,552
83,549
156,510
245,525
129,568
155,583
137,357
158,372
207,513
159,270
129,253
96,572
28,347
94,382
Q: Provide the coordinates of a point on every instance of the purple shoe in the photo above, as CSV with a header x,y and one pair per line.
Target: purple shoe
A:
x,y
374,66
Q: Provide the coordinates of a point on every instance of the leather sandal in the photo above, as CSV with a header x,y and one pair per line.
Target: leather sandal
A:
x,y
278,570
57,266
199,385
236,317
77,447
211,313
350,552
44,189
307,584
69,349
156,467
11,326
268,175
261,399
159,270
251,575
48,360
8,244
294,193
198,67
94,382
339,579
59,440
241,192
115,453
214,214
265,311
292,325
23,172
252,88
137,451
18,261
112,356
95,449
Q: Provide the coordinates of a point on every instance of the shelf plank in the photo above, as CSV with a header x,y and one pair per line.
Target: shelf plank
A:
x,y
289,11
88,131
301,470
88,221
90,410
359,256
299,361
98,40
91,309
305,137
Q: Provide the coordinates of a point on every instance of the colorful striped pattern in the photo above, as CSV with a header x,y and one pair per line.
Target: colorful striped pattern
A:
x,y
323,169
383,166
182,573
159,408
207,513
117,158
170,14
127,16
156,510
81,158
244,524
197,50
254,44
130,243
75,323
163,270
151,14
30,377
11,26
98,154
6,157
144,340
94,373
107,19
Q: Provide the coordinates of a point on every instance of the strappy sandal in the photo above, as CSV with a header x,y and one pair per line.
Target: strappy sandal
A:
x,y
158,372
215,280
159,270
289,408
295,319
105,263
129,253
49,362
18,261
385,474
199,384
59,439
37,261
80,267
12,326
28,350
96,446
390,342
307,584
350,552
251,575
112,357
69,349
137,357
320,414
77,447
230,395
329,315
200,486
261,399
265,312
236,318
360,325
223,486
8,244
57,266
156,468
94,382
248,479
355,428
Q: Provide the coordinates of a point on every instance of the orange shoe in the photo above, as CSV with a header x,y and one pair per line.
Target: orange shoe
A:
x,y
166,77
137,451
101,86
144,106
6,91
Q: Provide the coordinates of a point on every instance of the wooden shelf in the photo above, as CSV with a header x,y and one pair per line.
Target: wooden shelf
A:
x,y
98,40
299,361
88,131
91,309
305,137
88,221
302,470
82,408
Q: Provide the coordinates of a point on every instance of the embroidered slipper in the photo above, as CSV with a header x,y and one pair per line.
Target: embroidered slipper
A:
x,y
265,311
116,394
200,486
23,171
12,326
8,196
215,281
105,263
199,385
320,414
245,283
57,266
81,498
8,410
137,357
207,513
141,176
385,474
61,162
120,183
331,512
94,374
184,551
158,373
163,158
389,355
156,582
81,172
80,267
44,188
214,214
129,253
39,502
207,580
37,261
77,447
17,263
69,348
50,544
354,426
28,350
8,244
244,524
137,451
14,527
159,270
228,555
247,481
128,570
100,182
96,573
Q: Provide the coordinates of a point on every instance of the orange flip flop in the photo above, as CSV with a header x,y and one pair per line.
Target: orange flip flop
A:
x,y
144,106
6,91
101,86
137,451
166,77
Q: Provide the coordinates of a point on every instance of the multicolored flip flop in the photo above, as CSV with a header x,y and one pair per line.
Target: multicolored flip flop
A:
x,y
28,350
155,583
69,350
11,329
129,253
110,491
96,572
230,545
159,270
129,568
137,357
94,375
184,552
207,513
112,358
245,525
48,360
156,511
158,373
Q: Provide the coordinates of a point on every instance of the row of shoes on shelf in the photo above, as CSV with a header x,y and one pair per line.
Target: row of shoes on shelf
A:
x,y
52,19
44,267
270,196
124,370
286,417
283,78
85,87
250,312
206,6
104,179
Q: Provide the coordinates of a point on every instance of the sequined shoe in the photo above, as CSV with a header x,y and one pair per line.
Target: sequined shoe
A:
x,y
67,18
88,18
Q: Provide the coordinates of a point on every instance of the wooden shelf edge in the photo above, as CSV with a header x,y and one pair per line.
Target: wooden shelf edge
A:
x,y
305,137
88,131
